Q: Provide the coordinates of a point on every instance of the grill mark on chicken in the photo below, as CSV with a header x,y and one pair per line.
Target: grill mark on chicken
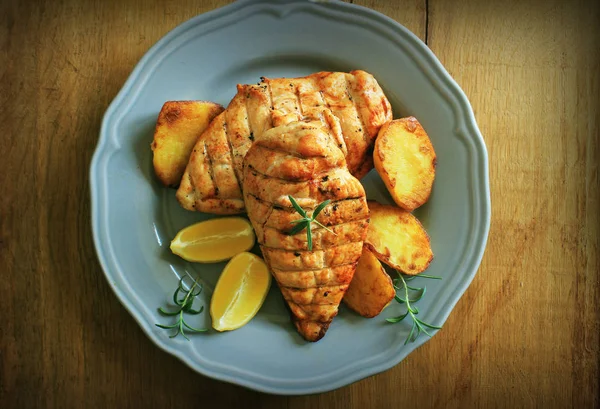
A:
x,y
270,93
265,108
333,86
209,186
355,208
316,278
328,220
311,270
252,112
324,99
298,102
247,118
211,172
335,188
323,295
189,179
287,153
290,209
363,128
238,133
313,297
284,102
232,154
267,218
335,128
279,217
270,176
299,260
278,164
221,161
251,134
371,105
271,123
321,238
315,107
349,209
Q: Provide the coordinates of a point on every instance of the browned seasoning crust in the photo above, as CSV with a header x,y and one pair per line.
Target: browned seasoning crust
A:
x,y
306,163
350,107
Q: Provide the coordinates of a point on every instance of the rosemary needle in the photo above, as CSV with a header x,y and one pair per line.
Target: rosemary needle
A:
x,y
185,305
418,326
305,221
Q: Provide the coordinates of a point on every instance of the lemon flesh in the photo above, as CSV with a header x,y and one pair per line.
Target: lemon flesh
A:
x,y
214,240
240,292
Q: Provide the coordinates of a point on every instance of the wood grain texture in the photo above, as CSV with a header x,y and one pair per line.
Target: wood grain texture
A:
x,y
526,333
530,321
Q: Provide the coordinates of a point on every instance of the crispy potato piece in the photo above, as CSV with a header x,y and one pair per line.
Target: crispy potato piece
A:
x,y
405,160
178,126
371,289
398,239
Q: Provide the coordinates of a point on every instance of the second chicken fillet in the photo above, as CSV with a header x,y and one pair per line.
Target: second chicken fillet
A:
x,y
350,108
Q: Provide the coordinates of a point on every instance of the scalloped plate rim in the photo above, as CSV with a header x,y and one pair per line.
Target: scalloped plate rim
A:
x,y
436,70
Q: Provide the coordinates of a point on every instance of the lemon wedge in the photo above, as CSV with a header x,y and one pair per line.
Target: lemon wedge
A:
x,y
214,240
240,292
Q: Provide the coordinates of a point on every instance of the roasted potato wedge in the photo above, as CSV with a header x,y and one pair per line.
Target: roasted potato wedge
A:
x,y
178,126
405,160
371,288
398,239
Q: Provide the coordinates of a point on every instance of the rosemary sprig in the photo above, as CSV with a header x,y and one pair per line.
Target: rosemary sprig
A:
x,y
305,221
185,306
418,325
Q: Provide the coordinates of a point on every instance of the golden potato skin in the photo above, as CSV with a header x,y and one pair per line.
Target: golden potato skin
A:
x,y
405,160
178,127
398,239
371,288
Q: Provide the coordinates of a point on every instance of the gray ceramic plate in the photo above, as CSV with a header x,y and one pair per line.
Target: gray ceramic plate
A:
x,y
134,218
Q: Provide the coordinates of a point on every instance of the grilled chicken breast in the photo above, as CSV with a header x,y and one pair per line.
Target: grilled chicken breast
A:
x,y
304,160
350,108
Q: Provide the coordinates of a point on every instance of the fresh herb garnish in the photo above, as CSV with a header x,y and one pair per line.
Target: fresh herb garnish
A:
x,y
185,306
305,222
418,326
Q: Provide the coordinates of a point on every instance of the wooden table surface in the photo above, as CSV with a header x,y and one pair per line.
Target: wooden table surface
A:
x,y
525,334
